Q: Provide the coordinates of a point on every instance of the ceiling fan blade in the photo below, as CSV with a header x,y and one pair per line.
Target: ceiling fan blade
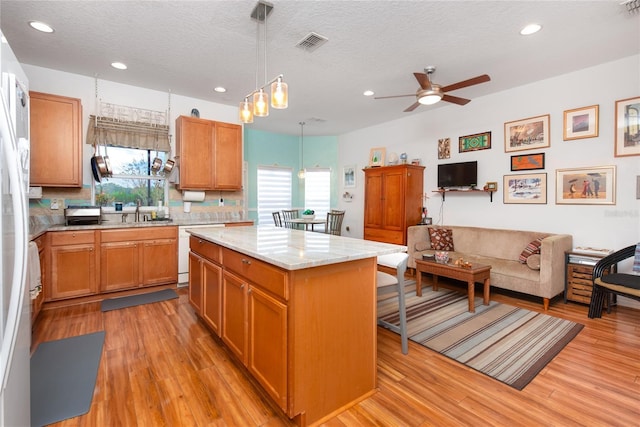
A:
x,y
393,96
412,107
465,83
456,100
423,80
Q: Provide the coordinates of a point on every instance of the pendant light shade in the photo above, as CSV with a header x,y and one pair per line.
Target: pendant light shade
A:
x,y
279,94
260,104
246,111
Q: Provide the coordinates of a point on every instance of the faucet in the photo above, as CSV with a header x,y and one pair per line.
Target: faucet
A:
x,y
137,210
124,217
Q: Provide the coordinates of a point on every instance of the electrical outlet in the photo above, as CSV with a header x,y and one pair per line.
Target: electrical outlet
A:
x,y
54,204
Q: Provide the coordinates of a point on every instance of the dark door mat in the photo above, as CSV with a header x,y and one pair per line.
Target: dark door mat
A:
x,y
133,300
63,377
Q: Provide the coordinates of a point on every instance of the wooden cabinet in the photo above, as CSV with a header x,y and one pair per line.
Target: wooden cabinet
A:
x,y
73,260
210,154
56,141
132,258
579,280
234,314
392,202
36,304
205,282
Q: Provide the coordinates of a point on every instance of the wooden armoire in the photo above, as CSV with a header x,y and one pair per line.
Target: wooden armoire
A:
x,y
392,202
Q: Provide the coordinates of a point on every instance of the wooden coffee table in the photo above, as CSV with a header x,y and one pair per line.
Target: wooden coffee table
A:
x,y
476,273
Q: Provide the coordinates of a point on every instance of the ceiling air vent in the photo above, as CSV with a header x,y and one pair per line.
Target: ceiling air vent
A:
x,y
311,42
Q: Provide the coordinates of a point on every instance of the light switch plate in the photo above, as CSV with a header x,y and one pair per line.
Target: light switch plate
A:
x,y
54,204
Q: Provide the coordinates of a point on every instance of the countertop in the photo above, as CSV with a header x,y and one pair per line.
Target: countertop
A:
x,y
37,230
294,249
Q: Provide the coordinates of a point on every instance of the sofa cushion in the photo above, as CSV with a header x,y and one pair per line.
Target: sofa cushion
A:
x,y
441,239
532,248
533,262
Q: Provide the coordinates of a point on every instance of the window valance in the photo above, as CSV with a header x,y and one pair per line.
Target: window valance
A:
x,y
144,135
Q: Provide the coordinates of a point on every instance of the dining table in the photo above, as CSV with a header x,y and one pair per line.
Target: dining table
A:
x,y
306,221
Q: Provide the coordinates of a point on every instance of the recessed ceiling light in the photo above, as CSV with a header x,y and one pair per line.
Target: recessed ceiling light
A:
x,y
41,26
368,93
119,65
220,89
530,29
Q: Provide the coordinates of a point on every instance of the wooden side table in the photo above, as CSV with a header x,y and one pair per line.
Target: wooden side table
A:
x,y
578,284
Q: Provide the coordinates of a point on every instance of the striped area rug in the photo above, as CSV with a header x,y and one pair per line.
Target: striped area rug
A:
x,y
507,343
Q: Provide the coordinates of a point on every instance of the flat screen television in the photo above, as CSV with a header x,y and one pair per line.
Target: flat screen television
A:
x,y
463,174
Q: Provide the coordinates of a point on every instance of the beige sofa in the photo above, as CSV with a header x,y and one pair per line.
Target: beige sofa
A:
x,y
501,249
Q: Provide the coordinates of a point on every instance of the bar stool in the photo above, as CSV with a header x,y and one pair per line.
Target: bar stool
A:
x,y
387,283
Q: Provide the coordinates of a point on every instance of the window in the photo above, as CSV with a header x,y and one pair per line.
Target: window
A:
x,y
133,180
274,191
317,191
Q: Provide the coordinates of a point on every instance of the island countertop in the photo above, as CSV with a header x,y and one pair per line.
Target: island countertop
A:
x,y
294,249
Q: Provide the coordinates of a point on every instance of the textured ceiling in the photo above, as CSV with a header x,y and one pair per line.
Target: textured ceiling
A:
x,y
189,47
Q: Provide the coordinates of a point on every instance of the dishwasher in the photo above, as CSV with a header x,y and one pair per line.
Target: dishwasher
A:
x,y
183,251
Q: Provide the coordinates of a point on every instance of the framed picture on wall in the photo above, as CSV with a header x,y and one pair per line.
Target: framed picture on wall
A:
x,y
525,162
525,188
479,141
527,134
349,176
376,156
627,127
580,123
586,186
444,148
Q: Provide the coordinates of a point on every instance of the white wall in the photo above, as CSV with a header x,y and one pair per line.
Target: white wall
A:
x,y
610,226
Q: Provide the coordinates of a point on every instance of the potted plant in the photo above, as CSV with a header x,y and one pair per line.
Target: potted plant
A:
x,y
308,214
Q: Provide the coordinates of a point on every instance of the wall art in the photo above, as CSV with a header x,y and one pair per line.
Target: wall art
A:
x,y
444,148
478,141
527,134
627,127
349,176
586,186
376,156
525,188
523,162
581,123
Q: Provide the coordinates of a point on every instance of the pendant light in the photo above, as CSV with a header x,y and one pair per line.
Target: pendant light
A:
x,y
302,170
256,103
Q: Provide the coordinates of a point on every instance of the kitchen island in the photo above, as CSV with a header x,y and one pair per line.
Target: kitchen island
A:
x,y
297,308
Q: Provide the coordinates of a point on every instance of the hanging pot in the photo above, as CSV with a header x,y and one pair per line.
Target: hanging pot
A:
x,y
156,165
107,163
95,169
168,166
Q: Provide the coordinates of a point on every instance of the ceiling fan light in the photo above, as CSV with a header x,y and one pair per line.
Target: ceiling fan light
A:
x,y
279,94
246,111
260,104
430,98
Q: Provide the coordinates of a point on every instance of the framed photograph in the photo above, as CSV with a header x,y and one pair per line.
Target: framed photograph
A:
x,y
527,134
628,127
581,123
479,141
527,188
586,186
491,186
376,157
444,148
525,162
349,176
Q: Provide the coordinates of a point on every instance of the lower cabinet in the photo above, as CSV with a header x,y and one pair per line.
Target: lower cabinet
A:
x,y
205,290
72,266
234,314
133,258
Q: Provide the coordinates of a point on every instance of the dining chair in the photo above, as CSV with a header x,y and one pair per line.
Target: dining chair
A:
x,y
386,284
334,222
277,219
290,214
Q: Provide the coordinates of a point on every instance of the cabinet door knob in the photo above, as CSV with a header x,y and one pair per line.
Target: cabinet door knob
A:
x,y
246,261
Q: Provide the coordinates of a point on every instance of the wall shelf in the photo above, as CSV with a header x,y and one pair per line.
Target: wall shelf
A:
x,y
443,192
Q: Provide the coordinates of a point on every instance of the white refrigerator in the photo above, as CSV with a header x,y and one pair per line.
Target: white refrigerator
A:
x,y
15,320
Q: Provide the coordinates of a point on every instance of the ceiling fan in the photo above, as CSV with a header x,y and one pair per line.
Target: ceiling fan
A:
x,y
430,93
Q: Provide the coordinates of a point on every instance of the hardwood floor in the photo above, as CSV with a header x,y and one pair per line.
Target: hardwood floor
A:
x,y
161,366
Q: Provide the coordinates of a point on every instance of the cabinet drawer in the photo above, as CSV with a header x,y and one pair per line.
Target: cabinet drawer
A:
x,y
145,233
387,236
265,275
209,250
59,238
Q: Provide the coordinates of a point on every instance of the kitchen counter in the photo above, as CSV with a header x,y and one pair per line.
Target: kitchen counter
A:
x,y
294,249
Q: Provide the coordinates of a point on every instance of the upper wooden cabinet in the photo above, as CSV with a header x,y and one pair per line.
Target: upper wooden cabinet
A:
x,y
56,141
392,202
210,154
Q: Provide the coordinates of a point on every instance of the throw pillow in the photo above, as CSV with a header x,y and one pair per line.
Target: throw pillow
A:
x,y
421,246
532,248
441,239
533,262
